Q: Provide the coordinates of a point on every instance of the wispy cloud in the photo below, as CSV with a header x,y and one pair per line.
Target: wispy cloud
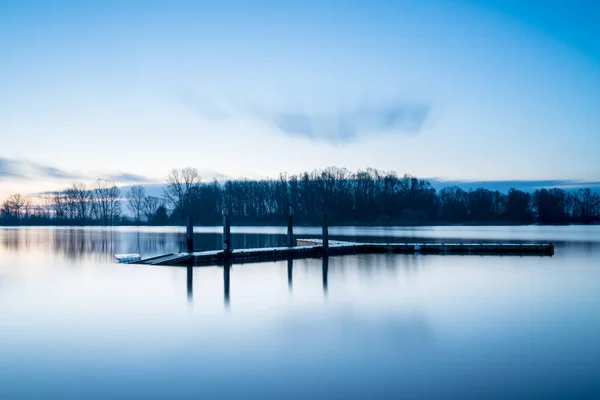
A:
x,y
127,177
8,169
349,125
25,169
53,172
337,125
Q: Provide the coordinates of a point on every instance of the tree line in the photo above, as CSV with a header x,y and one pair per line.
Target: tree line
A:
x,y
364,197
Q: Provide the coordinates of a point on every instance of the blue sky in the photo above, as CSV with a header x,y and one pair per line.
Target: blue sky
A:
x,y
457,90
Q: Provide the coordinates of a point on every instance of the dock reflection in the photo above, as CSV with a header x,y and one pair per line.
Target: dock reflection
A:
x,y
227,279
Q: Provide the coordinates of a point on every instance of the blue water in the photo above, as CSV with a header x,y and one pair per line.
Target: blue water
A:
x,y
75,325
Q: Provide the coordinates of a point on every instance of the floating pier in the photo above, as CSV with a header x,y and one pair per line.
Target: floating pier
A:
x,y
317,248
313,248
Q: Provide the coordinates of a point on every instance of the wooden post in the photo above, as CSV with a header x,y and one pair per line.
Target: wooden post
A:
x,y
325,236
226,235
290,232
189,235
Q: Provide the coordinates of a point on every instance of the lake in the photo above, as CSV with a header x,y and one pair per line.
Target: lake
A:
x,y
76,325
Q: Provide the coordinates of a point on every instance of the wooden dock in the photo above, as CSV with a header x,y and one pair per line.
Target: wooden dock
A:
x,y
323,248
313,248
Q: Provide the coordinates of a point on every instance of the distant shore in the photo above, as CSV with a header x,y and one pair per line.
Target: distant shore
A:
x,y
308,224
362,198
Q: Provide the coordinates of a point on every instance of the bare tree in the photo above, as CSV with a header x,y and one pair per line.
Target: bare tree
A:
x,y
181,185
15,204
151,206
81,197
107,204
58,205
5,211
45,206
135,201
27,208
587,205
115,204
70,201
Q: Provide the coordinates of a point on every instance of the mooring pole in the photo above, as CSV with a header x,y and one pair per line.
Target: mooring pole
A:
x,y
226,236
290,231
189,235
325,236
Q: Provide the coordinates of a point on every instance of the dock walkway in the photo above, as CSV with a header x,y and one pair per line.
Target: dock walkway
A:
x,y
313,248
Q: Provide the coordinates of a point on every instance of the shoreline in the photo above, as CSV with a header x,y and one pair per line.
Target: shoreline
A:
x,y
306,224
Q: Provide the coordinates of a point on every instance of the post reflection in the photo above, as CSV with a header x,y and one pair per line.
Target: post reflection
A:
x,y
325,272
190,283
226,274
290,267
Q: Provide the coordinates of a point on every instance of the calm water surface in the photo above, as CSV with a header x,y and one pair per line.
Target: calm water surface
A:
x,y
75,325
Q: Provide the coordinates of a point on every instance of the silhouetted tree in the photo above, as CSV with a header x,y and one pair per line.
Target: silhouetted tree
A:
x,y
161,217
78,198
366,196
14,207
27,209
58,205
518,207
552,206
136,198
586,206
481,205
150,207
107,202
454,204
180,187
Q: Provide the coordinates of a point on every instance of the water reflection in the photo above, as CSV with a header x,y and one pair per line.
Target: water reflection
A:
x,y
226,275
99,244
290,265
290,271
426,327
325,274
190,283
226,283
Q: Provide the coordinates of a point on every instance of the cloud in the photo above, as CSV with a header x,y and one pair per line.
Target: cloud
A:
x,y
25,169
345,126
127,177
8,168
336,125
56,173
